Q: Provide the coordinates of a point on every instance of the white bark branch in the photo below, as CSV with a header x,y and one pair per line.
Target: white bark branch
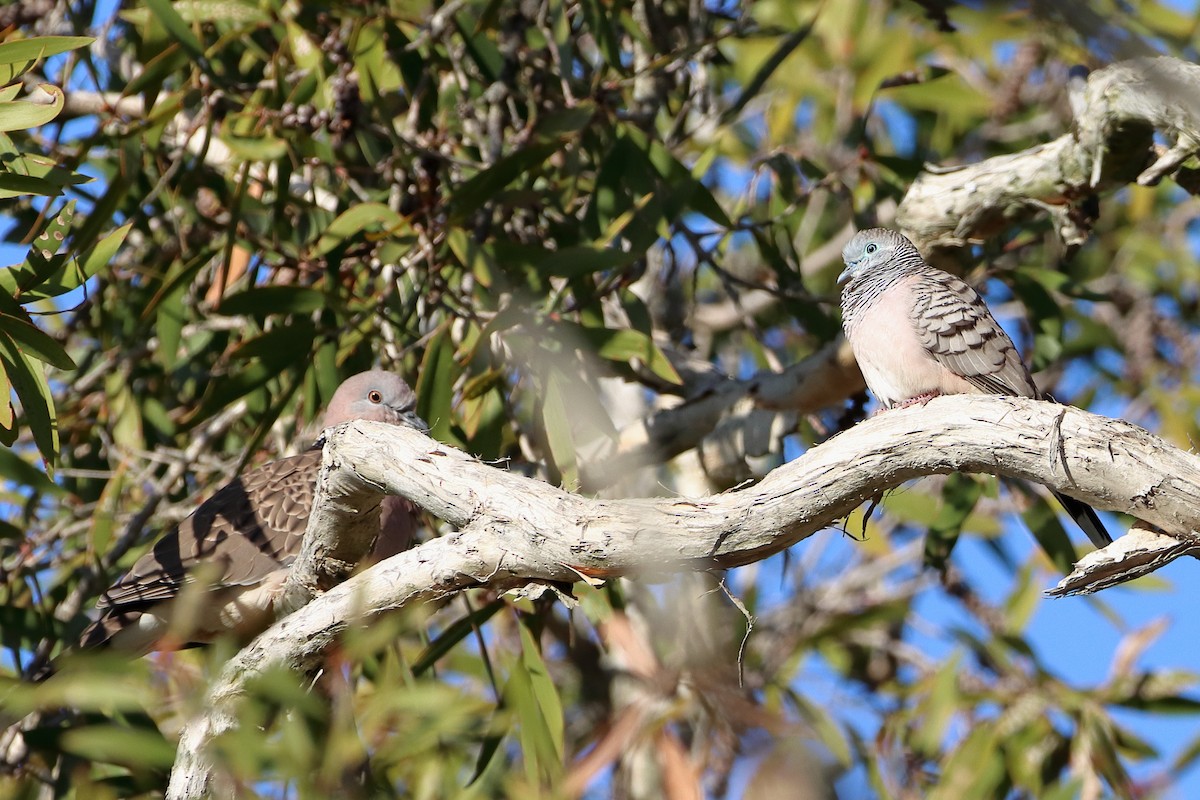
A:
x,y
1117,114
515,530
84,103
825,378
338,536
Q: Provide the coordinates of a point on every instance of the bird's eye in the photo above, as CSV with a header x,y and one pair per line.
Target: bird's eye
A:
x,y
375,397
871,248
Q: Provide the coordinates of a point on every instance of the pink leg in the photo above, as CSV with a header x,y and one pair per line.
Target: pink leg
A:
x,y
922,399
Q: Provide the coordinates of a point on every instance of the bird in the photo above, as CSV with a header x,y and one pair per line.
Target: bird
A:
x,y
918,332
236,547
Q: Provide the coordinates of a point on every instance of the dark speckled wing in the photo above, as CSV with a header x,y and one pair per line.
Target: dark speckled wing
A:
x,y
249,529
956,327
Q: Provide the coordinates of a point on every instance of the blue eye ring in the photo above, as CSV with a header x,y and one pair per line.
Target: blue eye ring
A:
x,y
871,248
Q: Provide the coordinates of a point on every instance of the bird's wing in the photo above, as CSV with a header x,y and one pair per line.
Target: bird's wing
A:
x,y
247,530
956,327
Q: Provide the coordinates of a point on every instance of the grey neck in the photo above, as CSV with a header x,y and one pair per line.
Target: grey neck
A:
x,y
862,291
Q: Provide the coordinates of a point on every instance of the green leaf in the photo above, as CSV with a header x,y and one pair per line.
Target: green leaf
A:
x,y
163,66
178,28
16,469
626,345
946,93
470,195
435,386
572,262
454,634
16,322
1022,601
482,51
1043,522
1173,704
566,122
104,518
29,380
102,253
937,710
1070,790
168,307
18,57
236,11
44,258
133,747
124,413
531,693
263,301
557,423
255,148
825,727
1045,314
279,346
21,627
543,687
634,197
376,217
377,70
305,52
8,432
484,419
256,362
487,762
479,259
975,769
40,47
787,45
959,496
598,22
1187,757
179,278
36,177
20,115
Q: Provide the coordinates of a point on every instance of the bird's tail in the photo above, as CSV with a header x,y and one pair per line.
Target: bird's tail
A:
x,y
1086,518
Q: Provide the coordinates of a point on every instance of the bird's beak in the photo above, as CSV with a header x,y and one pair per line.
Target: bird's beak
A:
x,y
844,277
411,419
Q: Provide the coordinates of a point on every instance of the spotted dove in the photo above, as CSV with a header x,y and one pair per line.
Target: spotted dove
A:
x,y
241,541
918,332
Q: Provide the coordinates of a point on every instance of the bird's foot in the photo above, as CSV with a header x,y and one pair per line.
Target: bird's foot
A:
x,y
920,399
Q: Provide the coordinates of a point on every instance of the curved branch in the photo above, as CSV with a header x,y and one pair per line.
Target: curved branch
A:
x,y
823,379
514,530
1116,116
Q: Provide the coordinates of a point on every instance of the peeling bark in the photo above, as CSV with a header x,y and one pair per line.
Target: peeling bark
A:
x,y
1116,116
515,530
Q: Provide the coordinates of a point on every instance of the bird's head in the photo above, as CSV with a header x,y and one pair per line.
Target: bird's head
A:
x,y
375,395
870,250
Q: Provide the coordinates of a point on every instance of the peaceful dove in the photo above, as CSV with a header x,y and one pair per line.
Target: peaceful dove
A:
x,y
241,540
918,332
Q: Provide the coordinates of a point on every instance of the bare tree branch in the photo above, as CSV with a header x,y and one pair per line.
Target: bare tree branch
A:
x,y
85,103
337,538
824,379
1117,114
514,530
